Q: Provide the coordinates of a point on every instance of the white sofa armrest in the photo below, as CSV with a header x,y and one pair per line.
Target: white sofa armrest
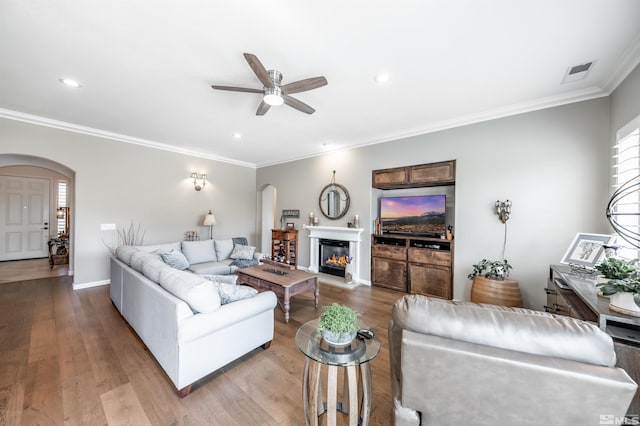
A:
x,y
201,324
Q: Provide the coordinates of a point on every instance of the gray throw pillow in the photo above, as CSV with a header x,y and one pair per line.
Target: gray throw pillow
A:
x,y
228,290
175,259
241,252
245,263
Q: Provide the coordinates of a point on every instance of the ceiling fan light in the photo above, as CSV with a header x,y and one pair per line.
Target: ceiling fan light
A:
x,y
273,100
272,96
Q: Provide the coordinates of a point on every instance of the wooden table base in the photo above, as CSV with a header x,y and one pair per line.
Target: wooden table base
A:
x,y
354,391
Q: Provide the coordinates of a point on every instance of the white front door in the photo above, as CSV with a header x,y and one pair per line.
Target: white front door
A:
x,y
24,217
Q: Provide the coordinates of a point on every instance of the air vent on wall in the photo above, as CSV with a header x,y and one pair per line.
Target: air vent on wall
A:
x,y
577,72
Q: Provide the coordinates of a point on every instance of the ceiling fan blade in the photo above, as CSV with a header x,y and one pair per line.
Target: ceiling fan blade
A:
x,y
304,85
263,108
237,89
259,69
299,105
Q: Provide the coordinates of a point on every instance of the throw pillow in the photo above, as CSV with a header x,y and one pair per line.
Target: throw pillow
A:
x,y
201,295
229,279
244,263
175,259
223,249
242,252
199,251
230,292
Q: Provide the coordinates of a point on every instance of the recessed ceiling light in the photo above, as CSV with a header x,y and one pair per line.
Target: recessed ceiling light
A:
x,y
237,135
381,77
70,82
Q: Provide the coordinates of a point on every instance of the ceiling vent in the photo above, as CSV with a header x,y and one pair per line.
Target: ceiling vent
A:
x,y
577,72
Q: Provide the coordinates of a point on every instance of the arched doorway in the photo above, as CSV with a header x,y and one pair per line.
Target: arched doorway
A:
x,y
58,183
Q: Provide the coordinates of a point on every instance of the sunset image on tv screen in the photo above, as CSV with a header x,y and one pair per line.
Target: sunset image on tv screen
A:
x,y
422,214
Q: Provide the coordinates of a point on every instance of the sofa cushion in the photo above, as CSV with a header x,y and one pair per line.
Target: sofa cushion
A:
x,y
242,252
212,268
199,293
139,257
151,268
517,329
223,249
124,253
199,251
175,259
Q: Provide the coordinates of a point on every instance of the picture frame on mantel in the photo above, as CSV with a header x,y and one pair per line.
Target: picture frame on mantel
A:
x,y
586,250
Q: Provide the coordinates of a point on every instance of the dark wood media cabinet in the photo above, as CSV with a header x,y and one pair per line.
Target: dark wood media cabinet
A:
x,y
574,294
417,265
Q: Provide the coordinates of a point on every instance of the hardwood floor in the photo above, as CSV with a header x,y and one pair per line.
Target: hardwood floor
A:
x,y
68,357
30,269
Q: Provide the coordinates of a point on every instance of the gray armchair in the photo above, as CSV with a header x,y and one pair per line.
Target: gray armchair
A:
x,y
455,363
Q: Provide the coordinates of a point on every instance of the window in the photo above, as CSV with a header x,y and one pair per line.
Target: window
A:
x,y
626,168
62,202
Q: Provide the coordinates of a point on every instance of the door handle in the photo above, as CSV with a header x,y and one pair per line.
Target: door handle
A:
x,y
46,227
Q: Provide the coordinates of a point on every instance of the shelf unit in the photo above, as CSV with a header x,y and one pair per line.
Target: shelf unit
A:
x,y
413,264
284,246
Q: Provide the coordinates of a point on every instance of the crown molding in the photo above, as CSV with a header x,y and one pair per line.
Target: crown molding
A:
x,y
70,127
586,94
630,60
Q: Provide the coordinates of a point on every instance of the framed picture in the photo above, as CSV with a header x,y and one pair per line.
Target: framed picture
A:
x,y
586,249
290,225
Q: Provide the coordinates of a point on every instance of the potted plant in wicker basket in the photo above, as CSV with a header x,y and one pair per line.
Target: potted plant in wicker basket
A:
x,y
338,324
490,284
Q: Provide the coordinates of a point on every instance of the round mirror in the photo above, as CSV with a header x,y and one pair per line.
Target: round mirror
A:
x,y
334,201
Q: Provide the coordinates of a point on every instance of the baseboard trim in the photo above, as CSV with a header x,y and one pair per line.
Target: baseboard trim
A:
x,y
90,284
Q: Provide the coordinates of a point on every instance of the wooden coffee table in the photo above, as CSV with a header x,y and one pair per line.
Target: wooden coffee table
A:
x,y
283,282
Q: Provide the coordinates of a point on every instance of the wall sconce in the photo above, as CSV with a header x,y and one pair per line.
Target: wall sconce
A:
x,y
202,181
503,209
209,220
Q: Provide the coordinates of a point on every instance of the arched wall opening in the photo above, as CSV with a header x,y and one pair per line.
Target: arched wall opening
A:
x,y
10,160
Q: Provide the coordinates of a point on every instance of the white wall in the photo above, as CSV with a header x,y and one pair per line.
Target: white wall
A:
x,y
625,102
118,182
551,163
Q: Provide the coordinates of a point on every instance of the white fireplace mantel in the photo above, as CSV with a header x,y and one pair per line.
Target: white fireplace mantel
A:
x,y
340,233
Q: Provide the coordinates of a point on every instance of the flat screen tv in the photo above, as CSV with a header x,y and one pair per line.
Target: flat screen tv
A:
x,y
418,214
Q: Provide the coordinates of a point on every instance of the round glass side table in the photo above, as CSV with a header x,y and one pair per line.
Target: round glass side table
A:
x,y
350,358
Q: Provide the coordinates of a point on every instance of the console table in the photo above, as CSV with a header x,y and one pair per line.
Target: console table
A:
x,y
575,294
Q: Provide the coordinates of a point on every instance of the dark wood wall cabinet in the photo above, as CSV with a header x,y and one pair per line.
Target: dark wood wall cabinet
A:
x,y
413,265
432,174
574,294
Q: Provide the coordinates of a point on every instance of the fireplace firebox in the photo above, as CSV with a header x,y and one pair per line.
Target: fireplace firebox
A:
x,y
333,256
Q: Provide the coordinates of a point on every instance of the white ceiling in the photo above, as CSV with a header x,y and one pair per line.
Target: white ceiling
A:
x,y
146,67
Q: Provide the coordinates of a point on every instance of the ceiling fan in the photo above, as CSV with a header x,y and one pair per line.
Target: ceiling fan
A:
x,y
273,92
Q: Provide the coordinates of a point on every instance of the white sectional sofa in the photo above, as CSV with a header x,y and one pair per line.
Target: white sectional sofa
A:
x,y
179,315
